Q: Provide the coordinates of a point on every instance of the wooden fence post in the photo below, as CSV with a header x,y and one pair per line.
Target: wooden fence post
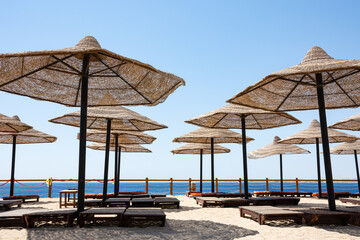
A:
x,y
189,184
217,184
297,184
147,185
171,186
240,188
50,187
267,184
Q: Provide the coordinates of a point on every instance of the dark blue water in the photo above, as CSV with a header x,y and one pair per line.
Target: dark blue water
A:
x,y
179,188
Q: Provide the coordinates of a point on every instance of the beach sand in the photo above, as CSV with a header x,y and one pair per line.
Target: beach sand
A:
x,y
191,222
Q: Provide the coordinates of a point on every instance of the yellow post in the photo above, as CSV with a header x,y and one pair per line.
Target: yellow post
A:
x,y
267,184
50,187
189,184
297,184
217,184
147,185
240,188
171,186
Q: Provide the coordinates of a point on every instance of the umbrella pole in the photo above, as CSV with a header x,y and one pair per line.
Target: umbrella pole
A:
x,y
118,170
13,167
318,166
106,167
82,138
116,176
212,165
325,142
281,174
201,166
357,169
243,132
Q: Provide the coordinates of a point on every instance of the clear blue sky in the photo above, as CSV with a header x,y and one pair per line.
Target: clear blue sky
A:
x,y
218,47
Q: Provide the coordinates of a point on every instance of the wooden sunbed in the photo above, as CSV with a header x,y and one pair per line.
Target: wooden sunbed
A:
x,y
124,195
336,194
63,215
232,195
142,202
166,202
281,194
24,198
157,195
15,218
355,195
6,205
144,216
263,213
93,202
273,201
117,202
350,200
140,196
188,193
222,202
355,214
101,214
326,217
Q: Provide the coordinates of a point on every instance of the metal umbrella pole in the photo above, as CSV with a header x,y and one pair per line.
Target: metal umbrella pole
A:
x,y
82,138
13,167
357,169
118,169
201,169
243,133
318,166
325,142
212,166
281,174
116,177
106,167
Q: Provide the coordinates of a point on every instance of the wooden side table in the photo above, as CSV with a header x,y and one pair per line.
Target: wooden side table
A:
x,y
68,201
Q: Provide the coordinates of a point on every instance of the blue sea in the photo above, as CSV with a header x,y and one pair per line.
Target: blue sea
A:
x,y
179,188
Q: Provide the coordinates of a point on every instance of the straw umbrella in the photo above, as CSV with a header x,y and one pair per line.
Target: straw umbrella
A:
x,y
199,148
85,75
117,137
12,124
24,137
113,118
236,116
351,123
349,148
275,148
312,135
212,135
318,78
134,148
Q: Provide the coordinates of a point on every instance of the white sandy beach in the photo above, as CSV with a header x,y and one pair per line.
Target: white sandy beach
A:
x,y
191,222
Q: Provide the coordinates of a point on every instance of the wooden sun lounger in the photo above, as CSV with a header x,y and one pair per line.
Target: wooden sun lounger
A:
x,y
232,195
144,216
125,195
355,195
263,213
142,202
326,217
273,201
166,202
103,214
350,200
140,196
281,194
63,215
355,214
15,218
6,205
157,195
117,202
93,202
222,202
23,197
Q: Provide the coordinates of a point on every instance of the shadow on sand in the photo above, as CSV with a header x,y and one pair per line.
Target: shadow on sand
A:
x,y
174,229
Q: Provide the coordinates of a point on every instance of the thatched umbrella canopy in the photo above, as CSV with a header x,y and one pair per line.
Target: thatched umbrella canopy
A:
x,y
275,148
351,123
121,119
200,148
349,148
236,116
312,135
12,124
85,75
212,135
117,137
131,148
24,137
318,80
